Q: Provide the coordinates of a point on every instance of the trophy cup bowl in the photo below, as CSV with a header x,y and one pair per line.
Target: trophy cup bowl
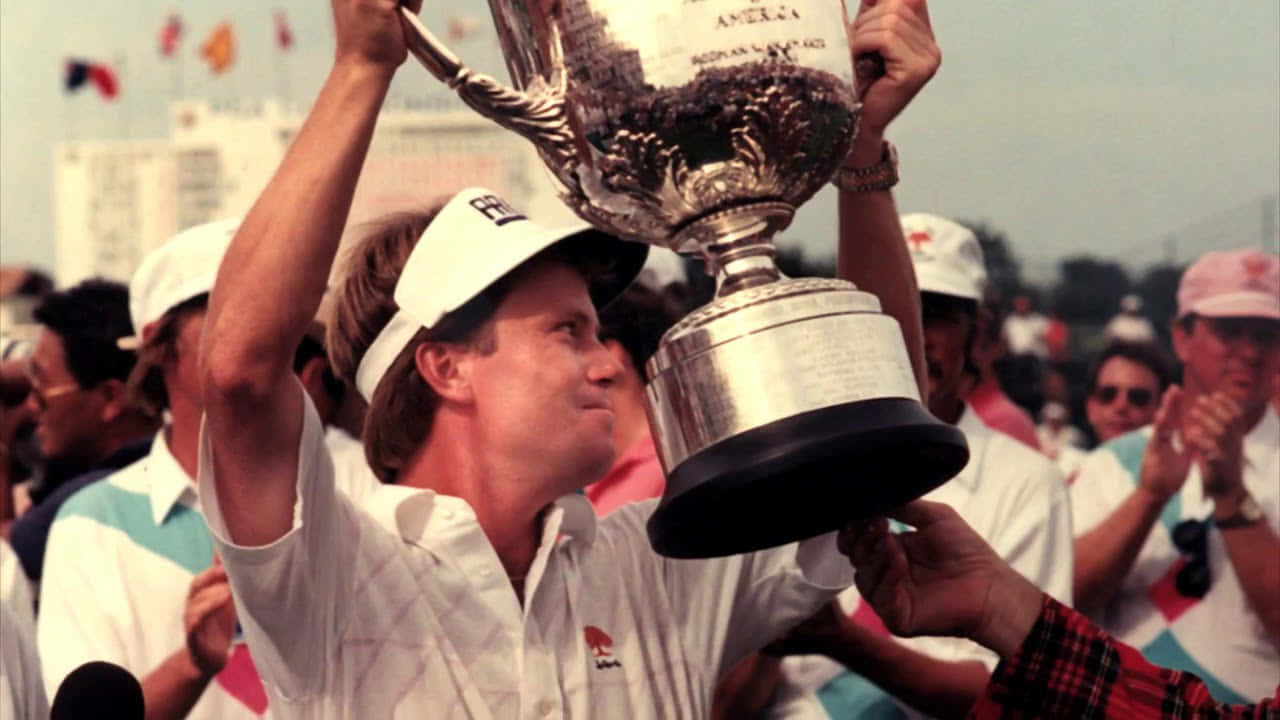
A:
x,y
784,408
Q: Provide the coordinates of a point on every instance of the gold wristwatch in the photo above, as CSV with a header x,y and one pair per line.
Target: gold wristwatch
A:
x,y
1248,512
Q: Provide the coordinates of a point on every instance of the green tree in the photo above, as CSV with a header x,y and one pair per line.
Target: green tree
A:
x,y
1089,290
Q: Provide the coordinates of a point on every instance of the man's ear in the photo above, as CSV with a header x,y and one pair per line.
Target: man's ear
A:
x,y
312,373
446,369
312,378
115,399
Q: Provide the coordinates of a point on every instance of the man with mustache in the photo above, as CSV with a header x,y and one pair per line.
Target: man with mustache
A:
x,y
1177,523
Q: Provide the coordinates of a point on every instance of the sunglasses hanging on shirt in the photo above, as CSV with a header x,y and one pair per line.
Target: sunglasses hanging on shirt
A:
x,y
1191,537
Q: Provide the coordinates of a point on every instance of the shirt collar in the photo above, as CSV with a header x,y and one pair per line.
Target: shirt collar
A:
x,y
975,435
168,483
415,513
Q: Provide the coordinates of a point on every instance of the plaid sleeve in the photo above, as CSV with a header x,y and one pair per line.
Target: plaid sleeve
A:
x,y
1069,668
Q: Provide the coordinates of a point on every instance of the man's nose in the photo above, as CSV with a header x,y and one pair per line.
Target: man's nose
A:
x,y
603,368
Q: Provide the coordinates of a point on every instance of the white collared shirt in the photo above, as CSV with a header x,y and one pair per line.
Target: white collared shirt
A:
x,y
1220,636
406,611
1015,498
120,559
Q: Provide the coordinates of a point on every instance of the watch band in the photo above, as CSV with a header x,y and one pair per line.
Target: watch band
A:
x,y
1247,513
881,176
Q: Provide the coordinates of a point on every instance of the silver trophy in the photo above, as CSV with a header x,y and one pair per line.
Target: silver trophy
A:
x,y
785,407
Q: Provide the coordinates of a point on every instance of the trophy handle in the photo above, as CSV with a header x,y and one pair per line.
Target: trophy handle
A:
x,y
539,119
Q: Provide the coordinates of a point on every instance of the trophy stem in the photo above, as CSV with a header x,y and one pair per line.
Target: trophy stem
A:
x,y
737,244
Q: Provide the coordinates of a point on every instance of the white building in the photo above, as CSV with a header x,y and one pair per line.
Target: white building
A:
x,y
115,200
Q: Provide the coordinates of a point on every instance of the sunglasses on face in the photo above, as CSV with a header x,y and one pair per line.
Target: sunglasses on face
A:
x,y
1137,397
1191,537
1266,333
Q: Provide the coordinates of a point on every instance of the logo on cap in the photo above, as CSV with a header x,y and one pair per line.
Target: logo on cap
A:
x,y
918,238
496,210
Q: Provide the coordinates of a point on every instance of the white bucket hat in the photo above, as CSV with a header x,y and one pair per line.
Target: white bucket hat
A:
x,y
182,268
475,240
946,256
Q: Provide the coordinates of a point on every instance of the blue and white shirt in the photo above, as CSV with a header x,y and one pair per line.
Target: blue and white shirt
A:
x,y
120,559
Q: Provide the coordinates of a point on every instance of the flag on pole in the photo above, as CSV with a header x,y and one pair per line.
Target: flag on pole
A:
x,y
170,35
284,34
82,72
219,49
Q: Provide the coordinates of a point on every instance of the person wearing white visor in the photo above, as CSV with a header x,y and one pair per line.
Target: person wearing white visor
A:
x,y
476,581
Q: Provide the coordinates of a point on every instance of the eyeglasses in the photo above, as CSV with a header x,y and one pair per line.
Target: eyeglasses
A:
x,y
1137,397
1266,333
1191,537
42,395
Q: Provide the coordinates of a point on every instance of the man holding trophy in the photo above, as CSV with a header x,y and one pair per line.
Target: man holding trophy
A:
x,y
476,582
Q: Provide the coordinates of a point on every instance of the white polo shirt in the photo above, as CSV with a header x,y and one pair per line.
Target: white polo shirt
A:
x,y
120,559
1015,498
1218,637
405,610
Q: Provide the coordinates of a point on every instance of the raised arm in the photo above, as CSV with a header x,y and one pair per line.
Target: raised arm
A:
x,y
872,253
274,274
1106,553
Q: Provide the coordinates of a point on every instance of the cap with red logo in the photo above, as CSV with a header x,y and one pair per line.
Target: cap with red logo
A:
x,y
946,256
1232,283
475,239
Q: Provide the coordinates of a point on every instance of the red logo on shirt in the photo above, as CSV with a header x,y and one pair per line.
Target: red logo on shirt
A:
x,y
601,647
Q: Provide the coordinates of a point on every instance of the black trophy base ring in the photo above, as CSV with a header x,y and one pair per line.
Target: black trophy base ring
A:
x,y
804,476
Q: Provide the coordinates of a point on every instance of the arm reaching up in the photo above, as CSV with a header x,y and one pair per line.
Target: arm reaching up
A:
x,y
274,274
872,253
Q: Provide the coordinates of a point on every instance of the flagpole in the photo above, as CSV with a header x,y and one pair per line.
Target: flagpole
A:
x,y
69,114
122,67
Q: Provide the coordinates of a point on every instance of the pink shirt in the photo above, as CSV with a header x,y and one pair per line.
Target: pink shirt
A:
x,y
996,410
637,475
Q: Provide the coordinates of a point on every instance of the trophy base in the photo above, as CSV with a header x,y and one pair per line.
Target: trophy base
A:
x,y
803,476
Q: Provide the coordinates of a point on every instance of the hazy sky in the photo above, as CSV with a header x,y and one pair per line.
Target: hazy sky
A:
x,y
1075,127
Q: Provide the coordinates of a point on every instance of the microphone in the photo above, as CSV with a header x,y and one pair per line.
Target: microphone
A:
x,y
98,690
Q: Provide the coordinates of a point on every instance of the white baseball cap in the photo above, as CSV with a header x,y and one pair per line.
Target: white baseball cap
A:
x,y
475,240
946,256
182,268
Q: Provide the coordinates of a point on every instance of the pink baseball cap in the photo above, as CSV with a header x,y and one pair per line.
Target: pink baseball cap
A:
x,y
1232,283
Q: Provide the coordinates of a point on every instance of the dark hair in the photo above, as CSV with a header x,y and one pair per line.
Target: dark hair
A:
x,y
1148,355
636,320
89,318
146,382
309,349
